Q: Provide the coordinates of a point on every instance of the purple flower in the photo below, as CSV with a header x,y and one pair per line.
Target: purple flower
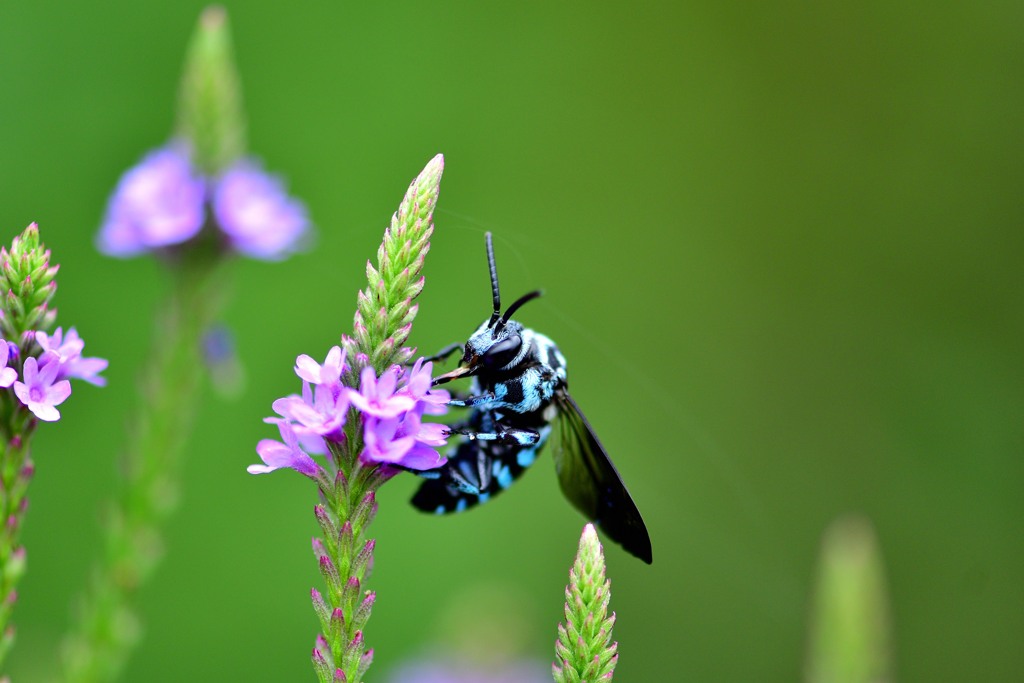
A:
x,y
326,375
382,443
378,397
39,391
276,455
7,375
156,204
164,201
68,349
417,384
403,441
320,411
257,215
461,672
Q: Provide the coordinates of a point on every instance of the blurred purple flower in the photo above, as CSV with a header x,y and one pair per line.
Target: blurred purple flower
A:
x,y
276,455
257,215
156,204
41,391
451,672
163,201
7,375
68,349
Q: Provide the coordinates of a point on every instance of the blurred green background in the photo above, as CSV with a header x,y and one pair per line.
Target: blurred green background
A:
x,y
782,248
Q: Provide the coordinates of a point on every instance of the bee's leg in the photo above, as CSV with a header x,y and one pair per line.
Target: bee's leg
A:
x,y
523,437
442,354
458,398
481,401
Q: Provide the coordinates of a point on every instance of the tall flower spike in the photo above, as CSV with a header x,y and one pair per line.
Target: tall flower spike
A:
x,y
385,308
193,203
584,649
366,432
849,639
27,285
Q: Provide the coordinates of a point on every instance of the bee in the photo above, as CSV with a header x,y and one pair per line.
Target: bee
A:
x,y
519,391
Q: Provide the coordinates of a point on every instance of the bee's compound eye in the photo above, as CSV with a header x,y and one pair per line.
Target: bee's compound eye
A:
x,y
502,353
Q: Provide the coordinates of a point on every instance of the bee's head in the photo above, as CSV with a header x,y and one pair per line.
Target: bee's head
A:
x,y
498,342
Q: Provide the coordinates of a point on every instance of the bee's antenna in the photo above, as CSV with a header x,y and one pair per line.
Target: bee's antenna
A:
x,y
495,294
517,303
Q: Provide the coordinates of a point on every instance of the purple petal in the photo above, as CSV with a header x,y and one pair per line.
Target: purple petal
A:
x,y
21,390
7,377
30,371
277,455
88,369
386,384
368,383
432,434
422,457
58,393
49,366
307,369
44,412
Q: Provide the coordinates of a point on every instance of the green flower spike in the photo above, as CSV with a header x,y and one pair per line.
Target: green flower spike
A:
x,y
385,309
210,113
584,648
27,284
849,639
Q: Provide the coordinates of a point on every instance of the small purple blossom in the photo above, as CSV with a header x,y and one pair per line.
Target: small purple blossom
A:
x,y
164,201
41,391
418,384
7,375
377,397
276,455
383,444
68,349
257,215
319,411
157,203
404,441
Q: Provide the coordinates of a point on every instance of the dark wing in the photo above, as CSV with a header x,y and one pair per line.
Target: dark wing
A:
x,y
592,484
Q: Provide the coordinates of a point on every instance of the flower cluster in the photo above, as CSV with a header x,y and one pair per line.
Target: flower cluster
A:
x,y
392,407
44,382
165,201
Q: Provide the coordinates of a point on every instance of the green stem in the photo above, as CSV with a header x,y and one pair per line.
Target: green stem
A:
x,y
350,504
107,628
15,472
